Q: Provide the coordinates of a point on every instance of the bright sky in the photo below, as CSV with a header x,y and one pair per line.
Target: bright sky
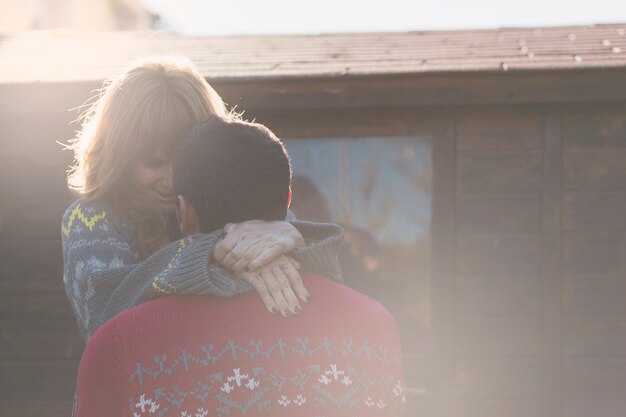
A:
x,y
225,17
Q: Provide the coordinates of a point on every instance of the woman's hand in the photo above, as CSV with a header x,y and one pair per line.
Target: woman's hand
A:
x,y
249,245
278,283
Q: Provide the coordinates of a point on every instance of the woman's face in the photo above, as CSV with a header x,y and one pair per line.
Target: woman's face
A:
x,y
152,176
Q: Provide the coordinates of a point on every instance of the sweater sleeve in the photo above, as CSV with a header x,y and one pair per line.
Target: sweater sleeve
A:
x,y
320,254
103,275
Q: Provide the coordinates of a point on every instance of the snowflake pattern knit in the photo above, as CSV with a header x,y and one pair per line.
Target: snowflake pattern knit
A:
x,y
340,357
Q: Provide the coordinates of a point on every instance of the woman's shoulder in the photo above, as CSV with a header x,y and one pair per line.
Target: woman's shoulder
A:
x,y
84,208
92,215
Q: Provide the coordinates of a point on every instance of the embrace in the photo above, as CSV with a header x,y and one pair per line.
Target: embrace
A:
x,y
197,290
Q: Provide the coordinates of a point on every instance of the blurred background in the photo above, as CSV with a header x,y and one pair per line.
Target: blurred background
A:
x,y
205,17
479,172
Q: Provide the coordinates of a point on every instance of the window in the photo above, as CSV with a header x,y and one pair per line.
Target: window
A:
x,y
380,191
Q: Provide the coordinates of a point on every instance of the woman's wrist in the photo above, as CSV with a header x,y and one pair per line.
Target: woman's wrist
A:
x,y
249,245
295,236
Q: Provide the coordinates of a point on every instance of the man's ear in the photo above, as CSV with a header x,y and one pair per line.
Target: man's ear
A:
x,y
188,218
289,197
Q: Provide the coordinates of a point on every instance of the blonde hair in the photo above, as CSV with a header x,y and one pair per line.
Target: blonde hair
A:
x,y
141,111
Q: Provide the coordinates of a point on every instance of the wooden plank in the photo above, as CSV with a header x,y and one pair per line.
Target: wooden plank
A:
x,y
495,379
594,379
35,306
499,129
589,210
36,408
499,254
40,339
595,295
594,408
596,127
352,122
597,168
499,213
427,90
444,284
38,380
551,250
593,252
45,98
517,172
486,408
499,337
598,336
34,177
366,91
42,255
29,279
435,404
43,132
34,219
497,296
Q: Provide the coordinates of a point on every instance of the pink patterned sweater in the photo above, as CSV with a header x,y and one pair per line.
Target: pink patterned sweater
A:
x,y
207,356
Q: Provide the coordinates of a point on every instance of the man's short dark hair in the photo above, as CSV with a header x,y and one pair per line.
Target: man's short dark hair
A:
x,y
232,171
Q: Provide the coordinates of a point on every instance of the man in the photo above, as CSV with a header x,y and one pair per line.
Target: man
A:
x,y
204,356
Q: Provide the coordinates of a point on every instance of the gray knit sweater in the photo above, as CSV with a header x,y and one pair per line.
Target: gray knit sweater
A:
x,y
104,276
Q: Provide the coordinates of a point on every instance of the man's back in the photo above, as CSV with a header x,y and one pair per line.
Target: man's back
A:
x,y
201,356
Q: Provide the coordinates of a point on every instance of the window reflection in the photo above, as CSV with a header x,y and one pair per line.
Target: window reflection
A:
x,y
379,190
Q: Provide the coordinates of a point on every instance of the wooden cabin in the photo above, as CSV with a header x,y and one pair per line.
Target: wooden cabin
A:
x,y
513,147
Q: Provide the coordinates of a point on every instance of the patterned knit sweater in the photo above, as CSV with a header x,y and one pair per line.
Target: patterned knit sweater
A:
x,y
103,275
340,357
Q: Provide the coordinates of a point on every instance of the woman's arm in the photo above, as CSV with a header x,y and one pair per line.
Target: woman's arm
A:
x,y
249,245
103,276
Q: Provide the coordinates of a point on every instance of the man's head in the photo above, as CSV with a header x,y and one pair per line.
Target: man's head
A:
x,y
229,171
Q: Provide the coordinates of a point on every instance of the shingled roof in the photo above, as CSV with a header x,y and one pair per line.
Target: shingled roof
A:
x,y
61,56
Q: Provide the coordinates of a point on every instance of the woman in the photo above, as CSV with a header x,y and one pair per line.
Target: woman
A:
x,y
116,247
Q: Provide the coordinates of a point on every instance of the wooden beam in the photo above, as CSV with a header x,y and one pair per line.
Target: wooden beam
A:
x,y
443,241
428,90
552,287
482,88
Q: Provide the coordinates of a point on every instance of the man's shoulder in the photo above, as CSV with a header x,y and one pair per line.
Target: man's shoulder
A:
x,y
341,298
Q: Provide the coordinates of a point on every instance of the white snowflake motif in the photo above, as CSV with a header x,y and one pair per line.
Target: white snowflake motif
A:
x,y
238,379
252,383
227,388
346,381
300,400
381,404
185,414
333,374
284,401
398,391
143,403
324,379
369,402
202,412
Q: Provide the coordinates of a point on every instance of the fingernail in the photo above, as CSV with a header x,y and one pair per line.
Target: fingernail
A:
x,y
287,313
296,310
274,310
308,297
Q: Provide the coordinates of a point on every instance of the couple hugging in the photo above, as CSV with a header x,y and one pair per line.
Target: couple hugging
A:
x,y
181,270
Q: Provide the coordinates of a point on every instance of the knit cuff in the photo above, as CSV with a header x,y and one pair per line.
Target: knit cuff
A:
x,y
320,255
198,275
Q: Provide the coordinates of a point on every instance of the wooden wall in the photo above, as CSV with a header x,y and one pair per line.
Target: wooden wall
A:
x,y
39,343
501,189
529,246
540,260
594,261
